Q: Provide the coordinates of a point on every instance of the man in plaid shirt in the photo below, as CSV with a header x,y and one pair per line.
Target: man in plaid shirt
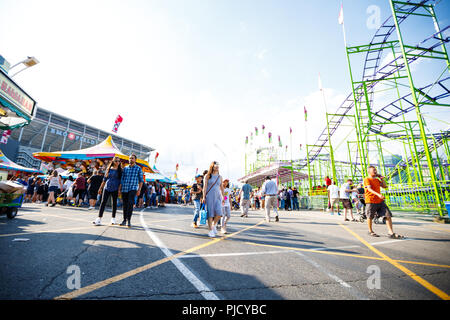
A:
x,y
130,187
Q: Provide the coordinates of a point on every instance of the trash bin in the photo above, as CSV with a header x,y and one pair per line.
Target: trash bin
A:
x,y
447,206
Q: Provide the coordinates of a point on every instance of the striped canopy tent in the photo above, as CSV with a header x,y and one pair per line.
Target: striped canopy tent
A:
x,y
104,150
154,177
282,170
159,176
6,164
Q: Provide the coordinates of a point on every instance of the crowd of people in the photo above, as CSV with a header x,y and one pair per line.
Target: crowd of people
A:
x,y
365,196
125,187
214,192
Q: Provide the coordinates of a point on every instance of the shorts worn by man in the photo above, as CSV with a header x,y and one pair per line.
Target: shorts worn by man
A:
x,y
245,199
375,205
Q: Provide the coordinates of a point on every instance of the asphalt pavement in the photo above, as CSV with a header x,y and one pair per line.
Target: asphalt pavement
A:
x,y
57,253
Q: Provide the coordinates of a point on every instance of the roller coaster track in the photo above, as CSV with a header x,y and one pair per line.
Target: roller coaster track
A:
x,y
373,73
439,141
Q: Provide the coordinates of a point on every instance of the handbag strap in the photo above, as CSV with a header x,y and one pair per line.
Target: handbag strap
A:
x,y
212,186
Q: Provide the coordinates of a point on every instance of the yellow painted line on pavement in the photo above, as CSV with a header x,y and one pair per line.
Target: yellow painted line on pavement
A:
x,y
334,253
82,291
424,263
441,294
330,252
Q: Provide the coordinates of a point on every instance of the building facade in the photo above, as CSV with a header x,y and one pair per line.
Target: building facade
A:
x,y
49,132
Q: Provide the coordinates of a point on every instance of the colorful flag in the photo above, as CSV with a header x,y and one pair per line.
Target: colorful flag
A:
x,y
246,140
117,123
256,131
279,142
300,146
176,168
156,156
290,130
5,136
270,137
251,136
341,15
263,127
306,113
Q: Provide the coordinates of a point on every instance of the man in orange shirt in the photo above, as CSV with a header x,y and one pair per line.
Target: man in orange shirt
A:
x,y
375,205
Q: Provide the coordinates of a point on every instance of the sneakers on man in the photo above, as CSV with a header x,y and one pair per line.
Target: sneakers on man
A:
x,y
211,234
277,219
194,225
91,208
113,221
124,222
129,224
97,221
214,229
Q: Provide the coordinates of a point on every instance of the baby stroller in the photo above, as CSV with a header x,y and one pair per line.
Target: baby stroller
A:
x,y
61,198
361,207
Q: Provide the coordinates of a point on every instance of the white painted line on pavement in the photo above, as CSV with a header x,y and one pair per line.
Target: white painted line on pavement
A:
x,y
334,248
390,241
354,292
204,290
232,254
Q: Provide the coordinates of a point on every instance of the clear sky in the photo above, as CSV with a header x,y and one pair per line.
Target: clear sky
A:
x,y
191,78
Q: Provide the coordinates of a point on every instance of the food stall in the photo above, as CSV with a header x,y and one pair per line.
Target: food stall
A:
x,y
11,193
16,110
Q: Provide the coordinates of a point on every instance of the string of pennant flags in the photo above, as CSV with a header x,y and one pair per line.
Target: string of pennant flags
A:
x,y
269,134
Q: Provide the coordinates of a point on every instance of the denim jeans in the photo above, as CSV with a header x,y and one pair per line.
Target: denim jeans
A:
x,y
128,199
295,202
105,197
153,200
282,204
196,210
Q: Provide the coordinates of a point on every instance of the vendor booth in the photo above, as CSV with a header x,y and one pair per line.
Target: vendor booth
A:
x,y
102,152
11,193
16,110
158,176
282,171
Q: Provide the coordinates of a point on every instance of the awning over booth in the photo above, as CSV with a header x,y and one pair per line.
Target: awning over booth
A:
x,y
6,164
159,176
282,170
104,150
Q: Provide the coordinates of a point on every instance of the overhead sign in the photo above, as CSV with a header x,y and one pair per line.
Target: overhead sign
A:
x,y
15,95
71,136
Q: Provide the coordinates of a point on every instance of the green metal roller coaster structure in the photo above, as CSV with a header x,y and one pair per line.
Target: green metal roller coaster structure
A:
x,y
385,116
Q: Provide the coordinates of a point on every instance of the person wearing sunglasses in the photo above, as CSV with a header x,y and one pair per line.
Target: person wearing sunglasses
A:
x,y
110,187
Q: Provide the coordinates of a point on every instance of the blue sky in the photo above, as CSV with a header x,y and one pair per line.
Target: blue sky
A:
x,y
189,75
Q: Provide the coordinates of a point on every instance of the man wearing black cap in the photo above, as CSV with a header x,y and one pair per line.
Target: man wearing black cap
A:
x,y
197,195
270,191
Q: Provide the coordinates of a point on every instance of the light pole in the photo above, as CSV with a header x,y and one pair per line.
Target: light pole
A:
x,y
228,164
28,62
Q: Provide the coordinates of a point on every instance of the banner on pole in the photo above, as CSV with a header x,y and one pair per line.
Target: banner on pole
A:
x,y
117,123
